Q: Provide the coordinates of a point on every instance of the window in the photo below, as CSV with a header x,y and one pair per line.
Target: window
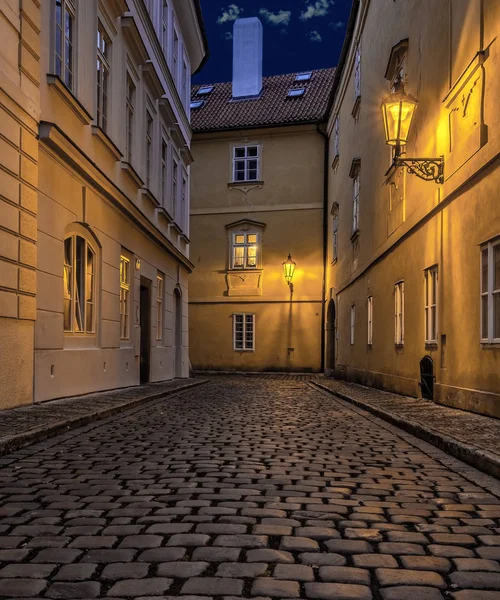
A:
x,y
357,73
246,163
124,297
184,200
355,202
159,307
245,250
369,306
175,55
336,137
296,92
164,27
335,240
103,72
164,174
203,91
175,187
149,148
243,332
399,313
196,103
64,41
79,285
303,76
353,323
184,85
129,118
490,292
430,285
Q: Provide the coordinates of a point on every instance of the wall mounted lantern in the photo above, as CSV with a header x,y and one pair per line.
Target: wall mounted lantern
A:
x,y
398,110
289,270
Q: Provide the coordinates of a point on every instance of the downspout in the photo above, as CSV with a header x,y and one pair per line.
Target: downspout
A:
x,y
325,241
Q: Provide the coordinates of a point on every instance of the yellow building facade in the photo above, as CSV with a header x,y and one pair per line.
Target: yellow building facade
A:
x,y
258,196
413,275
98,299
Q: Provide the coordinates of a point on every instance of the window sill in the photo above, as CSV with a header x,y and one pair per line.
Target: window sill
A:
x,y
174,225
80,341
355,236
493,345
163,212
356,107
399,345
147,193
334,261
107,142
238,350
132,173
335,162
431,345
69,98
245,186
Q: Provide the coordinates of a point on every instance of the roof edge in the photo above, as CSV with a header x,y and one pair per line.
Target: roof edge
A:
x,y
199,14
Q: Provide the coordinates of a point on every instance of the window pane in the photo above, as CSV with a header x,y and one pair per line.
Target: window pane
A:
x,y
239,152
240,176
239,165
252,151
252,175
89,318
433,332
484,317
496,267
496,315
90,275
434,287
80,283
252,164
252,256
239,239
239,255
252,238
484,270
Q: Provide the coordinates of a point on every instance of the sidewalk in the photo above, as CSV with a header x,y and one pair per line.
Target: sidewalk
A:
x,y
35,422
472,438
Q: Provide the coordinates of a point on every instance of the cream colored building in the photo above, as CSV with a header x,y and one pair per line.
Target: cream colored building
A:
x,y
257,196
94,217
414,266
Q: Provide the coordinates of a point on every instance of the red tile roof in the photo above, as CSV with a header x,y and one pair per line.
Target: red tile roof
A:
x,y
272,107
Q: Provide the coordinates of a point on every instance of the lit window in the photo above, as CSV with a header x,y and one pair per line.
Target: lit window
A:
x,y
197,103
149,148
399,313
430,285
103,74
335,240
79,285
370,320
357,73
490,292
245,250
159,307
129,118
353,323
64,41
244,332
296,92
203,91
303,76
246,163
124,297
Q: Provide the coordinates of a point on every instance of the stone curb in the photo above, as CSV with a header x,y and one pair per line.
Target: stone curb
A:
x,y
15,442
480,459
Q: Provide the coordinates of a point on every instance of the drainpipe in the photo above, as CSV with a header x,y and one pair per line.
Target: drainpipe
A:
x,y
325,241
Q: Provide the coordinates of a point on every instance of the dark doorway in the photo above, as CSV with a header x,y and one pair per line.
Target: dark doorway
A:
x,y
330,338
145,329
178,333
427,377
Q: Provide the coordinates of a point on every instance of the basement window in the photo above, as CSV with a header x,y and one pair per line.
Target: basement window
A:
x,y
296,92
303,76
203,91
197,103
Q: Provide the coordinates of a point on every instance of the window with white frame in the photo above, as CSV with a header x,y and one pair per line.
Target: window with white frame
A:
x,y
355,200
245,250
175,56
357,73
430,291
335,237
103,76
185,91
369,306
124,297
353,324
490,292
129,118
79,285
164,173
244,332
164,26
246,163
399,313
65,32
159,306
149,148
175,187
336,137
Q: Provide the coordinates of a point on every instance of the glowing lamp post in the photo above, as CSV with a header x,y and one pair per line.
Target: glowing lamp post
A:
x,y
289,270
397,111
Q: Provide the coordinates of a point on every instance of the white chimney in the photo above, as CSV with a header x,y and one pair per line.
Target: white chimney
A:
x,y
247,57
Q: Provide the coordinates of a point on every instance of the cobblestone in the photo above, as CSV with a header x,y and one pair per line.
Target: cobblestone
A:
x,y
245,487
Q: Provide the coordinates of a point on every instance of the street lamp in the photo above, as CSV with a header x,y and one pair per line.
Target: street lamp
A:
x,y
289,270
398,110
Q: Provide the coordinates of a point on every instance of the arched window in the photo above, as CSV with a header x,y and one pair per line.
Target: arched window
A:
x,y
80,267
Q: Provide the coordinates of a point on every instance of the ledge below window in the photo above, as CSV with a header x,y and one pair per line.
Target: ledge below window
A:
x,y
244,282
147,193
68,97
132,173
245,186
107,142
163,212
431,345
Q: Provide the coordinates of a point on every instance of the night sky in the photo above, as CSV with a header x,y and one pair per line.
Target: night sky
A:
x,y
299,35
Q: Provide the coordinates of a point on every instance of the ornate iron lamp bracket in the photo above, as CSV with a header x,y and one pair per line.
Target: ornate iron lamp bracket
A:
x,y
428,169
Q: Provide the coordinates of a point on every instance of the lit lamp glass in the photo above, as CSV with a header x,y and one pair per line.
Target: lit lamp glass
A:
x,y
289,269
398,110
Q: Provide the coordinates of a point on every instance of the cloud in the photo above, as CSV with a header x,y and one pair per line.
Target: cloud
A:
x,y
231,13
337,24
228,35
315,36
282,17
319,8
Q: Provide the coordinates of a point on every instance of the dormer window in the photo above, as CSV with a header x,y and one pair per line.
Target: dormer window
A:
x,y
197,103
203,91
303,76
294,93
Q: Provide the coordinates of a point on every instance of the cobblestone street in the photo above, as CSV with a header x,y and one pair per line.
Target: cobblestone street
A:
x,y
246,486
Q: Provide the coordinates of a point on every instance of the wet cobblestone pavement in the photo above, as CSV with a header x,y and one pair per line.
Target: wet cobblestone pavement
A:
x,y
246,487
